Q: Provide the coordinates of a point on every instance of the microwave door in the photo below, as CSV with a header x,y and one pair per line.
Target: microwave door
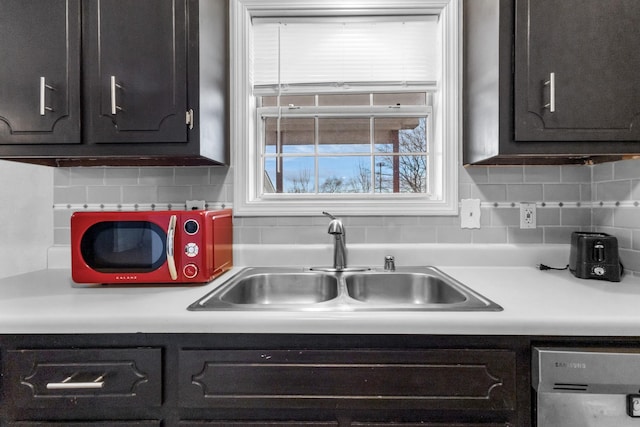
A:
x,y
171,261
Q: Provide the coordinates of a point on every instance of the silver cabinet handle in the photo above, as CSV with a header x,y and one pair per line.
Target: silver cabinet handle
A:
x,y
114,102
67,384
43,98
552,92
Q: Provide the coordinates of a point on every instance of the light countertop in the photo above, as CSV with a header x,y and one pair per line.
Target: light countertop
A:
x,y
535,302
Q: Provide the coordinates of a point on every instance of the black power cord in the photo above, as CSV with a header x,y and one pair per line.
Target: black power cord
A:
x,y
546,267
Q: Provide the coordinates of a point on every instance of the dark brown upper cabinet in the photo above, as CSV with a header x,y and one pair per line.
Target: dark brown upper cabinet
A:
x,y
40,72
135,56
551,81
577,70
127,82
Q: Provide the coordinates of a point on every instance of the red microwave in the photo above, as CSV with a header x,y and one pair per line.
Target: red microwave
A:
x,y
151,247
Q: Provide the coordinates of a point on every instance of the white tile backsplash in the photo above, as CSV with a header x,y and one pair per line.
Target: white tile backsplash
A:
x,y
563,194
575,174
546,174
525,192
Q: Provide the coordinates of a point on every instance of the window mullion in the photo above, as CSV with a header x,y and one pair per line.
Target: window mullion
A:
x,y
372,151
316,142
345,111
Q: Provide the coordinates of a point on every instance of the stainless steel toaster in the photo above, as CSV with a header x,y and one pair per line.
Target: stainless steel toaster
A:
x,y
594,256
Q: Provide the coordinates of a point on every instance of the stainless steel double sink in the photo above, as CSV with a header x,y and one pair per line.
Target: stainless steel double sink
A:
x,y
304,289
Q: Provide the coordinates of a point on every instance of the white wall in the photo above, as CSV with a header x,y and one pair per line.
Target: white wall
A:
x,y
26,223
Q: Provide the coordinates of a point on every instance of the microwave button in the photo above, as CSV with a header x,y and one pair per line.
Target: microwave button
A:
x,y
190,271
191,250
191,227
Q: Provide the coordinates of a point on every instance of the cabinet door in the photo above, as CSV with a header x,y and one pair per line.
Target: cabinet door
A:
x,y
327,424
257,424
135,57
40,71
399,424
84,378
358,379
84,424
590,49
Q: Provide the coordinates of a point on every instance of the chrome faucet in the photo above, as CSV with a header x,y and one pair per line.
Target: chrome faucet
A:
x,y
336,229
389,263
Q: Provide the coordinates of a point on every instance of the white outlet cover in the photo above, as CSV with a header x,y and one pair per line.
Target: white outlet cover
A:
x,y
527,215
470,213
195,205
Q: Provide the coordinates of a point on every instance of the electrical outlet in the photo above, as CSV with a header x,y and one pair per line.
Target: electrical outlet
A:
x,y
193,205
527,215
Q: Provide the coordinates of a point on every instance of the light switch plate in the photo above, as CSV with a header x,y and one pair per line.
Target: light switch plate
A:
x,y
470,213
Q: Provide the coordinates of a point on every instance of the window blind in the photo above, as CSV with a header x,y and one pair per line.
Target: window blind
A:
x,y
334,51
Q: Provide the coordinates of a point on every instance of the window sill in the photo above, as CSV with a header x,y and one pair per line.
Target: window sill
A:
x,y
396,206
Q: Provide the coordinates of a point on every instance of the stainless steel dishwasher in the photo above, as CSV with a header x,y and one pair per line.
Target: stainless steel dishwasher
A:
x,y
587,387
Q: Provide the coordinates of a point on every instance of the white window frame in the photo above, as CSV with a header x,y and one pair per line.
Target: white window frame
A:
x,y
248,200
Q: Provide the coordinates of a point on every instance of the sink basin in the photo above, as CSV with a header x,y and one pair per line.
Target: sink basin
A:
x,y
283,288
402,288
267,288
299,289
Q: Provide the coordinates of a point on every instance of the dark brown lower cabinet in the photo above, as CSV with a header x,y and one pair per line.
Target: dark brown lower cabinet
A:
x,y
350,379
429,425
256,424
59,378
264,380
328,424
86,424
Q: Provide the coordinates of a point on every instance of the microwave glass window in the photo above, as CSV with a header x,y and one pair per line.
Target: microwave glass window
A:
x,y
124,246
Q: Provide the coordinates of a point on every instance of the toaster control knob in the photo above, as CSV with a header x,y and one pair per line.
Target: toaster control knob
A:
x,y
599,271
190,271
191,250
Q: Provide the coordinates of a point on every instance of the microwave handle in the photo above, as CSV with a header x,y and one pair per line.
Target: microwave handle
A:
x,y
171,262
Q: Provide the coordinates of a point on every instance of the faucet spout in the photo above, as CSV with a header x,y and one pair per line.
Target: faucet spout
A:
x,y
339,252
336,229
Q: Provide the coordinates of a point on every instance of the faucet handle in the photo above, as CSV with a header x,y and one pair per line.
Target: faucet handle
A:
x,y
389,263
328,214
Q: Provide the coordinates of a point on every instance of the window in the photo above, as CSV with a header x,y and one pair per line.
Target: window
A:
x,y
357,148
353,110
